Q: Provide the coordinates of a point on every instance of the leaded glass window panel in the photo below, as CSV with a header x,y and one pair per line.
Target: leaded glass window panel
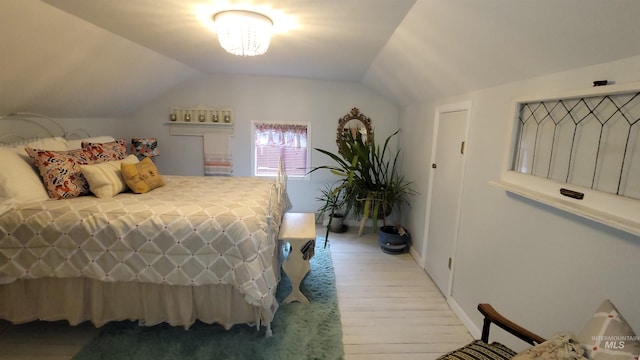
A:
x,y
591,141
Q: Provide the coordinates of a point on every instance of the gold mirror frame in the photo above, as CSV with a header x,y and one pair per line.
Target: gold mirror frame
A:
x,y
354,121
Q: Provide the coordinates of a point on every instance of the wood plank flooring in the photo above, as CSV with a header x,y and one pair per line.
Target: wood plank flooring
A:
x,y
390,309
389,306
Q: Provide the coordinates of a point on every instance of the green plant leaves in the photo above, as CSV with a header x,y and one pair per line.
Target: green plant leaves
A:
x,y
370,179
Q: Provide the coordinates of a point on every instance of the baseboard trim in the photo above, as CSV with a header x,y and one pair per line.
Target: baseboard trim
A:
x,y
453,304
466,320
416,257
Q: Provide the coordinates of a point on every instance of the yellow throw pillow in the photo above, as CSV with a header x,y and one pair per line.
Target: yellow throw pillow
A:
x,y
141,177
105,179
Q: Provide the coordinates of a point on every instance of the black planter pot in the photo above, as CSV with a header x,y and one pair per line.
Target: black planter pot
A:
x,y
337,224
391,242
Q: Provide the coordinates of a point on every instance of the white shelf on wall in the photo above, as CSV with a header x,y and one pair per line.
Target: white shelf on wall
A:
x,y
199,120
197,128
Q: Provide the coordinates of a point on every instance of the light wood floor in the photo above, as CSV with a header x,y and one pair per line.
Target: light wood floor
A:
x,y
390,309
389,306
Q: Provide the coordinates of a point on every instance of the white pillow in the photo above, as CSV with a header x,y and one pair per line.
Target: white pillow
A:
x,y
105,179
54,144
18,179
77,144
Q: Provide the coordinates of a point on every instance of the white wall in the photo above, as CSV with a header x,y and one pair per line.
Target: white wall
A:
x,y
321,103
545,268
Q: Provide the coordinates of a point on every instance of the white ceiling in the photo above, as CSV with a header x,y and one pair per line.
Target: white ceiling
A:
x,y
332,39
101,58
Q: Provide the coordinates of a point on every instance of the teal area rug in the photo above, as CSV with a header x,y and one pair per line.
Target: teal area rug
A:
x,y
300,331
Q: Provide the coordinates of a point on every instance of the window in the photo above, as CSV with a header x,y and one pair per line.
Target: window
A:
x,y
588,141
286,141
579,153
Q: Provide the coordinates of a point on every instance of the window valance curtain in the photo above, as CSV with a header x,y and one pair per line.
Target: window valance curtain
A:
x,y
281,135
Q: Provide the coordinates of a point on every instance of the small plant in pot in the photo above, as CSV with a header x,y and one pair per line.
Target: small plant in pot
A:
x,y
333,204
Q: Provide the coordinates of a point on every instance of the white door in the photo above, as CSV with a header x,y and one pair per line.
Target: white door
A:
x,y
445,194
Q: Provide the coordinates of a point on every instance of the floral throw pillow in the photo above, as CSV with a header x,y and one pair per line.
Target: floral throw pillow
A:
x,y
61,172
561,346
111,151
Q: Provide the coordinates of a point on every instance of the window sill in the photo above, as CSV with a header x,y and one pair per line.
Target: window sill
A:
x,y
289,177
629,224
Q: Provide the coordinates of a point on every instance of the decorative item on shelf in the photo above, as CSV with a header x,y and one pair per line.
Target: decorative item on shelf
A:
x,y
242,32
201,114
144,147
198,120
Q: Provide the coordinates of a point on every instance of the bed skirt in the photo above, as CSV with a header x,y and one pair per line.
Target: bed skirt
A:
x,y
78,299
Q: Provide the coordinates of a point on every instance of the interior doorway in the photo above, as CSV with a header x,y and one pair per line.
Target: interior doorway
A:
x,y
445,193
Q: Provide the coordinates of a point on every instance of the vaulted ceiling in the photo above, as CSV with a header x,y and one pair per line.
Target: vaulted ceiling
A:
x,y
78,58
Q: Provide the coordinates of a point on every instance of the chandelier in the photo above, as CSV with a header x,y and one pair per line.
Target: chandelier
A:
x,y
242,32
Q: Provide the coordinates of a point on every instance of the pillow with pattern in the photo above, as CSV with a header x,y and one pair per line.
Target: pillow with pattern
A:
x,y
562,346
111,151
61,172
73,144
608,336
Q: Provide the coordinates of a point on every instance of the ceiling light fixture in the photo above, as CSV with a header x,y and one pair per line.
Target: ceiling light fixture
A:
x,y
242,32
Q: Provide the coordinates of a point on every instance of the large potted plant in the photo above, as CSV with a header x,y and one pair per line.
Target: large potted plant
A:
x,y
370,181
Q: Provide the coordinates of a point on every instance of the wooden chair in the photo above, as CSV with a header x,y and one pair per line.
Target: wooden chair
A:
x,y
482,349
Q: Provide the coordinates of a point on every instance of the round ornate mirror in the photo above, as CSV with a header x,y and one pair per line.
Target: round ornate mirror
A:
x,y
354,122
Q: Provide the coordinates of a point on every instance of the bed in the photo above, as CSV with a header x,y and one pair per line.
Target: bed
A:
x,y
196,249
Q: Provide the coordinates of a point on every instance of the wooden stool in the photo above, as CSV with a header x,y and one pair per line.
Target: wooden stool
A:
x,y
297,229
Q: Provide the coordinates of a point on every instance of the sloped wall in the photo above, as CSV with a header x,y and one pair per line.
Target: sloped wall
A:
x,y
444,48
56,64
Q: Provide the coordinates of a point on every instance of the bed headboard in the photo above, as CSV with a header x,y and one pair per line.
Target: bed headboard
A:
x,y
18,127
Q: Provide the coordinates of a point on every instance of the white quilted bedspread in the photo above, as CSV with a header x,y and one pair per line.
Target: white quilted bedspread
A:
x,y
193,231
